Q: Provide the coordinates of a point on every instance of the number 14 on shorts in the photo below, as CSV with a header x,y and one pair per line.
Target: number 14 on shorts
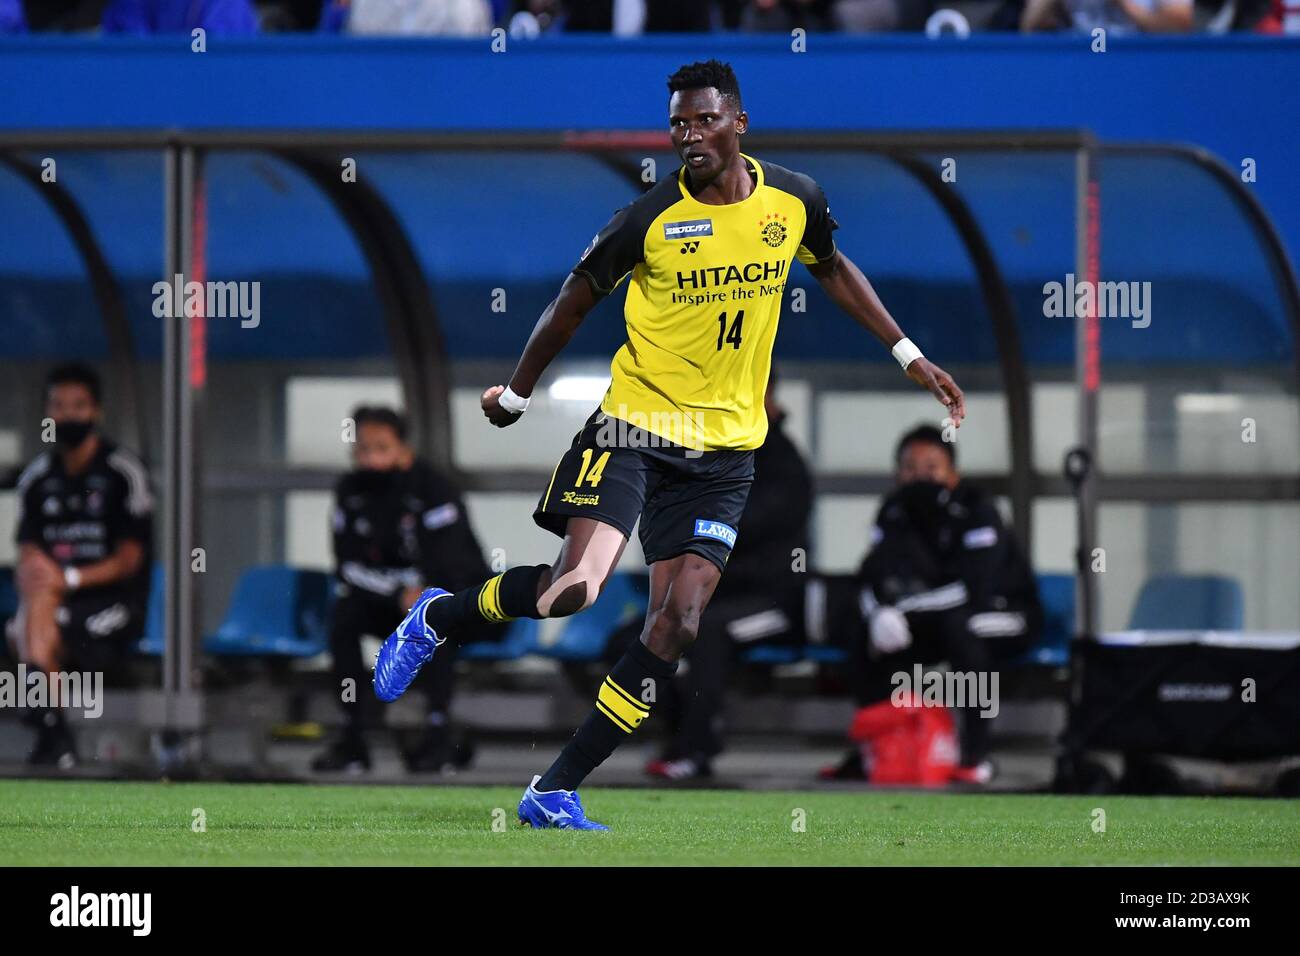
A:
x,y
592,473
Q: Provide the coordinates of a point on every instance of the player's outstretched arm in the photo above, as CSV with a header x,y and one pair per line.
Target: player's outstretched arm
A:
x,y
550,335
850,290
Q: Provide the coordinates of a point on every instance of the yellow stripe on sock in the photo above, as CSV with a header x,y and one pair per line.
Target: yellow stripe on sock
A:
x,y
489,601
639,705
613,717
614,702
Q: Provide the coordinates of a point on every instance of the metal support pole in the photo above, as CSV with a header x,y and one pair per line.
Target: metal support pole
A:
x,y
1088,377
182,383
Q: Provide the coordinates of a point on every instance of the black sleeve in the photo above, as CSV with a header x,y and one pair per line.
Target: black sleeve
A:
x,y
133,507
887,534
979,555
818,244
348,545
450,555
29,521
900,562
613,252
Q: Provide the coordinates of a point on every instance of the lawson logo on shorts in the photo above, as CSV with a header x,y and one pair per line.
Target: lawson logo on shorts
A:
x,y
688,229
715,529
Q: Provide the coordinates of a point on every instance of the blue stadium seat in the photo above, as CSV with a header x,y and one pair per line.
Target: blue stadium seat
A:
x,y
773,654
151,644
585,636
520,639
824,654
276,611
1193,602
8,594
1056,592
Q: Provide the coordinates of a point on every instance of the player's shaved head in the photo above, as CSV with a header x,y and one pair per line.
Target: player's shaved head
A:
x,y
708,74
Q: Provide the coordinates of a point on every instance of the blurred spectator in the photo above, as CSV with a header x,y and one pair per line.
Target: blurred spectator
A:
x,y
1283,16
577,16
868,16
678,16
944,581
64,15
145,17
758,600
84,538
1003,15
782,16
463,18
279,16
11,17
1119,16
399,526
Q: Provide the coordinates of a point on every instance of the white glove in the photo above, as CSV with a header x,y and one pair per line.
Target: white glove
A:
x,y
889,630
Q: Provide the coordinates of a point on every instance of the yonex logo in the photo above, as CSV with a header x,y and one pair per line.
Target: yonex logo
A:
x,y
715,529
689,246
688,229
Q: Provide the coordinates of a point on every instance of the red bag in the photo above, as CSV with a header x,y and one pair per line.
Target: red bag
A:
x,y
906,744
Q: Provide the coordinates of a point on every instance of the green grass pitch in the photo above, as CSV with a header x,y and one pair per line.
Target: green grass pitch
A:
x,y
72,823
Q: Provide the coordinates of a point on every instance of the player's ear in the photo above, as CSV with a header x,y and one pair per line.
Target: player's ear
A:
x,y
742,123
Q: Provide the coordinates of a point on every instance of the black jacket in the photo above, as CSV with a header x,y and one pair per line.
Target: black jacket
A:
x,y
81,519
927,537
406,529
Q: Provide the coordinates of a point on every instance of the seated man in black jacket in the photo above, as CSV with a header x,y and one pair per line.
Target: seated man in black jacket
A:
x,y
85,529
944,581
759,599
398,525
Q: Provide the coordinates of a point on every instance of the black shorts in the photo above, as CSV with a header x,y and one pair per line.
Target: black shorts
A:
x,y
97,630
688,501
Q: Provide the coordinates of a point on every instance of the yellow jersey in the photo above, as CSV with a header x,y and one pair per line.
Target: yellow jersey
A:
x,y
704,301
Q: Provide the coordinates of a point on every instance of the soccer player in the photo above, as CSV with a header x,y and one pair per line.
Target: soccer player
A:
x,y
709,251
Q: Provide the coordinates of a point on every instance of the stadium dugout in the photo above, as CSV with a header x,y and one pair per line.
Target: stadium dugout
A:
x,y
413,284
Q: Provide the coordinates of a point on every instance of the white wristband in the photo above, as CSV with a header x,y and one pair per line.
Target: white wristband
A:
x,y
71,578
512,402
906,352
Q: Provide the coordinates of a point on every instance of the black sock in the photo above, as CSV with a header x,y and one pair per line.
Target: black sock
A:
x,y
500,598
622,704
354,724
42,716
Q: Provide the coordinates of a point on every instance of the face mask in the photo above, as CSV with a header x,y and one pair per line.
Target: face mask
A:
x,y
924,502
71,435
923,491
376,481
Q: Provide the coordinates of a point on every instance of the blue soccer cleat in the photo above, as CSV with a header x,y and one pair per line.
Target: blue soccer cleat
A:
x,y
407,649
554,810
